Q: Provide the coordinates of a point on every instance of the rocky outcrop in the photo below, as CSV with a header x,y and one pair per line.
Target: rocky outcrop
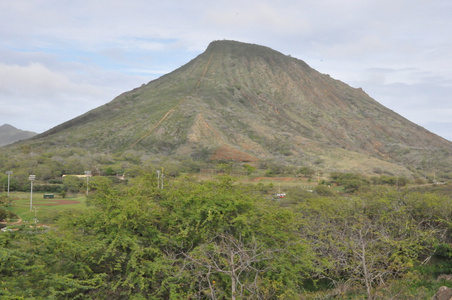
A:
x,y
444,293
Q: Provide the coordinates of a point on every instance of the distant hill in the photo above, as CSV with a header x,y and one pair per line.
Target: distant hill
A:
x,y
9,134
249,103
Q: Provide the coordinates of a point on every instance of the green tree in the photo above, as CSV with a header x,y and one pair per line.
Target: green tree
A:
x,y
249,169
368,238
222,240
306,171
109,171
13,183
151,235
72,184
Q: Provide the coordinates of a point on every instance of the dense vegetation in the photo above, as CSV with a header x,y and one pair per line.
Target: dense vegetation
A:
x,y
225,240
50,166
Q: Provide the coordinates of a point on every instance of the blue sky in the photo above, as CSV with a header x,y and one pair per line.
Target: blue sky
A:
x,y
60,59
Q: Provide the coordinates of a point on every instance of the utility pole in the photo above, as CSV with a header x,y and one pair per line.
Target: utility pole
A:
x,y
36,219
31,178
158,179
163,175
9,173
88,174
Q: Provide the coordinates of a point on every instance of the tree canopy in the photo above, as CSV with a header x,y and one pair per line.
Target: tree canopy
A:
x,y
223,240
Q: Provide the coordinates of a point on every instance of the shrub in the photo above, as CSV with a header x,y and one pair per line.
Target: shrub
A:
x,y
6,214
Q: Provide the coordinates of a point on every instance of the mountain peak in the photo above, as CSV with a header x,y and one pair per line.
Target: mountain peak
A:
x,y
10,134
250,51
236,46
7,126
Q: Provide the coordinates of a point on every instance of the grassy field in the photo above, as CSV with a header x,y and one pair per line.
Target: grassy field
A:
x,y
44,210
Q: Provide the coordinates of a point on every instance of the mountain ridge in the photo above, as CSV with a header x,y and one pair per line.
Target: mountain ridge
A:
x,y
10,134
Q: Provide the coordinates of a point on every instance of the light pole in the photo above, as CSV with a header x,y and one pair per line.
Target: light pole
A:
x,y
163,175
160,176
36,219
9,173
158,179
31,178
88,174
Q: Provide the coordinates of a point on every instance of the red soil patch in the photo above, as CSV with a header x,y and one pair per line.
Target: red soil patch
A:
x,y
283,179
228,153
59,202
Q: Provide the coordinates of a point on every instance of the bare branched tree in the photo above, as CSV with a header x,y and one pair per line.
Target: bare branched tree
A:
x,y
240,261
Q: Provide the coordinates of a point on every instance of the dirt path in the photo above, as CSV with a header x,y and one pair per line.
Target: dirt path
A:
x,y
13,223
283,179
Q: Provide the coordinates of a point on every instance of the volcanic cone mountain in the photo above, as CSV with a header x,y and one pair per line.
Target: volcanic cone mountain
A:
x,y
246,102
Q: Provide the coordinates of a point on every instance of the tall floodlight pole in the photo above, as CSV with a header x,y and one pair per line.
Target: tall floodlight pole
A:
x,y
9,173
88,174
31,178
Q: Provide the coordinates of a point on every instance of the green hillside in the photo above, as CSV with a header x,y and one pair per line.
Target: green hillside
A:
x,y
245,102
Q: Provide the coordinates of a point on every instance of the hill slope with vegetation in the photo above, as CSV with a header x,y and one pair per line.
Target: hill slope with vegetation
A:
x,y
245,102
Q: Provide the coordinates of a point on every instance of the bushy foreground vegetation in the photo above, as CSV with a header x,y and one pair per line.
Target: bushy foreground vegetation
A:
x,y
223,240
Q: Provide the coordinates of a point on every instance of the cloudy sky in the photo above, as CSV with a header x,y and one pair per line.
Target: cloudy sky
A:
x,y
60,58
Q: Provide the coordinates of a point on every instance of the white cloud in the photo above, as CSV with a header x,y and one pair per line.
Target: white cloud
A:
x,y
35,80
38,98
